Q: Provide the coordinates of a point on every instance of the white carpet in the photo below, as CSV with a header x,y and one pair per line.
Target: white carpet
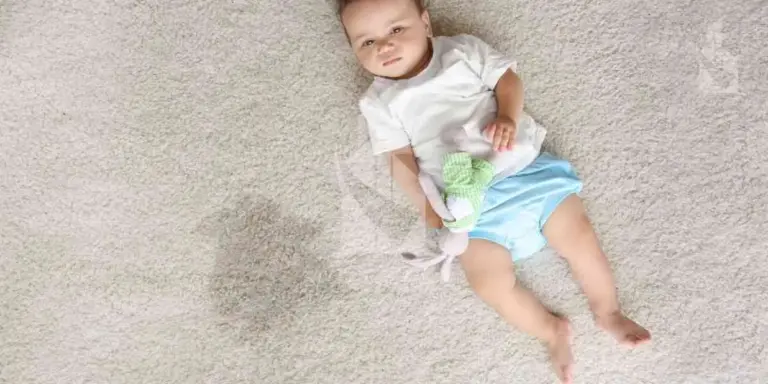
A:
x,y
185,196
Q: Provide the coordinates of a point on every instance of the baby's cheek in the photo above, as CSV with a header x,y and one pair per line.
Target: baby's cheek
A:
x,y
370,62
364,59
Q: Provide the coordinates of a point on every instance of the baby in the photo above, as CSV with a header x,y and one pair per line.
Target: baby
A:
x,y
427,87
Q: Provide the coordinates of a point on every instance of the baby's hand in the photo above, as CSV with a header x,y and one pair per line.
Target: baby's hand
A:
x,y
501,132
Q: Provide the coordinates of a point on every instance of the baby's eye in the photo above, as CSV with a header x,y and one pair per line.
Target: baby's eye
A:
x,y
397,30
367,43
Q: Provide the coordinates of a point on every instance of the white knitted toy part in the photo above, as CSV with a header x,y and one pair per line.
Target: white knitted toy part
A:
x,y
452,244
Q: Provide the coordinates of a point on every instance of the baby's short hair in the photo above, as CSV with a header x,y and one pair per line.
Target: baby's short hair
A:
x,y
342,4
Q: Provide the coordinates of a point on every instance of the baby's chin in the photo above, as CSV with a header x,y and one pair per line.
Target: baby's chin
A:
x,y
393,71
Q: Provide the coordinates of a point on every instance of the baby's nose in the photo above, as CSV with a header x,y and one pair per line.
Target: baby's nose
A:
x,y
384,45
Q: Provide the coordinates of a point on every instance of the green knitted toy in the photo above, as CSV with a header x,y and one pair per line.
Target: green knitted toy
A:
x,y
466,180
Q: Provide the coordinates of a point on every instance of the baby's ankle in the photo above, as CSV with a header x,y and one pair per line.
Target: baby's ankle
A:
x,y
604,313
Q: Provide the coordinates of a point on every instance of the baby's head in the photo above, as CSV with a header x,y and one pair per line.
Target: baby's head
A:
x,y
389,37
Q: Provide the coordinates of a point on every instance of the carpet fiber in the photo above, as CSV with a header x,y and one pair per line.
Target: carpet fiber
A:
x,y
186,196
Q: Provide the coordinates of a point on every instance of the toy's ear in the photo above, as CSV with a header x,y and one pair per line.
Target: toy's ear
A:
x,y
434,197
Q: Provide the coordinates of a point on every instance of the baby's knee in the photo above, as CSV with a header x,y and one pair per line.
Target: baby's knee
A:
x,y
493,286
488,268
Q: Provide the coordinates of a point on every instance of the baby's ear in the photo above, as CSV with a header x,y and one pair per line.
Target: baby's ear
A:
x,y
427,22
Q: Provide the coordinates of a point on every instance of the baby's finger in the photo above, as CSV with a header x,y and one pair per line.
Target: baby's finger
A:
x,y
497,138
505,139
489,131
511,141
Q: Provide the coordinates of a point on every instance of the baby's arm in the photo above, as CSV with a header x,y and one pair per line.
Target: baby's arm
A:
x,y
497,71
389,136
405,171
509,96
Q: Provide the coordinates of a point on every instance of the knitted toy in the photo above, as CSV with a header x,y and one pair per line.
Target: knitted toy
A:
x,y
466,181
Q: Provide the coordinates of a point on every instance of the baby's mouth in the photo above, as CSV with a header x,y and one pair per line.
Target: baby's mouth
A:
x,y
391,61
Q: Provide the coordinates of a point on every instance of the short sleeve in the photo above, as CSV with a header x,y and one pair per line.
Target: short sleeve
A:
x,y
385,131
489,63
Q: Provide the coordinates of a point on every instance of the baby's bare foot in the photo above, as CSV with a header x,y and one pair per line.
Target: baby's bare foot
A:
x,y
626,331
560,352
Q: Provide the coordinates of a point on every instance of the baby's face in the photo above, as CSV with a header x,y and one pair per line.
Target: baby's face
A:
x,y
389,37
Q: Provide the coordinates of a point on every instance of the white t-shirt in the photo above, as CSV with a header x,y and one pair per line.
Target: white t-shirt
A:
x,y
454,92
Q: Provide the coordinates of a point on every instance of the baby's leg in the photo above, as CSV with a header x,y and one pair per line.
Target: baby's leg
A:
x,y
570,233
489,270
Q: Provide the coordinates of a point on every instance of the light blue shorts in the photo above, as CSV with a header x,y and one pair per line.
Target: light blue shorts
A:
x,y
516,208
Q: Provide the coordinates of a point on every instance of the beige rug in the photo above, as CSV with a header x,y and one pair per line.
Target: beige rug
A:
x,y
185,196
